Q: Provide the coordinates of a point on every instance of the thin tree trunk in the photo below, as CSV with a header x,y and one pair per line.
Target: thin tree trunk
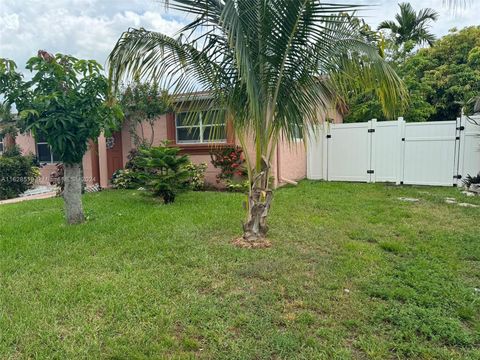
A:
x,y
72,193
152,136
259,199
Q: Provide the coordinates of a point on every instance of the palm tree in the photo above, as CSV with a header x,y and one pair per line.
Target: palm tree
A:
x,y
271,64
411,27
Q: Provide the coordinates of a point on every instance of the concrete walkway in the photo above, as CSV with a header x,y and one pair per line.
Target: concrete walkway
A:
x,y
45,195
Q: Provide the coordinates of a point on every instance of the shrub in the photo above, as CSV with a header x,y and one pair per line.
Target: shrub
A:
x,y
127,179
133,155
14,151
17,174
136,174
470,180
197,175
132,176
165,171
237,186
230,162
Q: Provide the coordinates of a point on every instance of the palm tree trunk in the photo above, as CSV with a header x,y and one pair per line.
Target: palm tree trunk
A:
x,y
72,194
259,199
255,228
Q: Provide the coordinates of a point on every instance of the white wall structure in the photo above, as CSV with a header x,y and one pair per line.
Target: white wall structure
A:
x,y
430,153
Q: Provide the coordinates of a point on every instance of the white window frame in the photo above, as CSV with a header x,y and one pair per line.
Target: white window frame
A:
x,y
51,152
201,128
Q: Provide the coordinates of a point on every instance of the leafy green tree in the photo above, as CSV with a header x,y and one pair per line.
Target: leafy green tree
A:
x,y
65,103
365,105
411,28
271,65
451,71
440,80
143,102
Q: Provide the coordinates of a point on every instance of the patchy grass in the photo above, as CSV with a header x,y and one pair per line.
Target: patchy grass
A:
x,y
353,273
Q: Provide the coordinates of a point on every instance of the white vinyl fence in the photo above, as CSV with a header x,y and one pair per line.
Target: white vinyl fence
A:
x,y
429,153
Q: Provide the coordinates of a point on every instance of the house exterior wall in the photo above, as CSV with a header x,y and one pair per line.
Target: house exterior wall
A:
x,y
88,174
127,142
144,130
288,164
291,161
27,144
211,173
102,161
157,133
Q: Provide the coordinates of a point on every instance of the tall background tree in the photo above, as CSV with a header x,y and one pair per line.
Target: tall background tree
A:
x,y
271,65
449,72
441,80
409,29
65,104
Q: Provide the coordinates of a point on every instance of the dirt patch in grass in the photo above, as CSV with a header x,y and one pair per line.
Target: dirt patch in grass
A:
x,y
242,243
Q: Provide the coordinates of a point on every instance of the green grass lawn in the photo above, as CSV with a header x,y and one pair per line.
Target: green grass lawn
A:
x,y
353,273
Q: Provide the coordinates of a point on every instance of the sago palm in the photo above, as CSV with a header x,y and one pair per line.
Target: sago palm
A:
x,y
272,65
411,26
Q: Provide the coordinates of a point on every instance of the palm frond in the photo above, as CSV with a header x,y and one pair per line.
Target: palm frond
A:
x,y
410,26
427,14
456,4
388,24
270,64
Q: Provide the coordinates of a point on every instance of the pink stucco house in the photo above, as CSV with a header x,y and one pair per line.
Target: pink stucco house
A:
x,y
105,156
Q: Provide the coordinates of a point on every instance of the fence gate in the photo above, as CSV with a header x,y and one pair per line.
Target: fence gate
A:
x,y
431,153
385,151
349,163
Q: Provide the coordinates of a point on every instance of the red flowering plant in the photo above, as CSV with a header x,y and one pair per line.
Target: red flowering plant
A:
x,y
230,161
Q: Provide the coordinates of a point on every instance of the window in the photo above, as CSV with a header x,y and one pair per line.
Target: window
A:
x,y
45,154
198,129
298,132
1,144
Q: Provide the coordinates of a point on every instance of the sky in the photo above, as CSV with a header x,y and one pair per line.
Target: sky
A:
x,y
89,28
